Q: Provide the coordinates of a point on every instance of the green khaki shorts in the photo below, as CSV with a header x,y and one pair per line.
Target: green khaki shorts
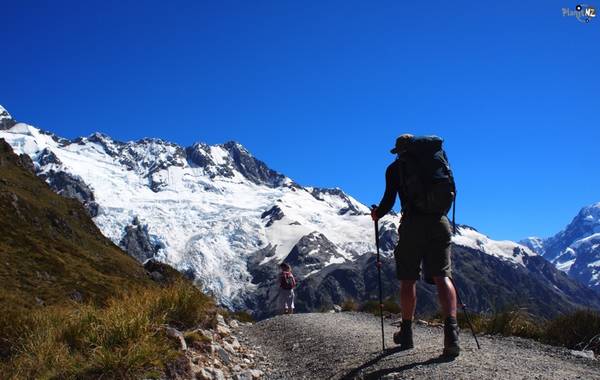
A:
x,y
423,239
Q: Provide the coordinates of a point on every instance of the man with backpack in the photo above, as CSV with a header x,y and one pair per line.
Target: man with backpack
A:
x,y
423,180
287,283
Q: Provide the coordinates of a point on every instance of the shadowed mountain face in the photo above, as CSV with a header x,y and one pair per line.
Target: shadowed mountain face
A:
x,y
486,283
50,249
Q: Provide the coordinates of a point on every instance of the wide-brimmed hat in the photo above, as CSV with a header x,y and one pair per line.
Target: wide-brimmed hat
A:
x,y
401,143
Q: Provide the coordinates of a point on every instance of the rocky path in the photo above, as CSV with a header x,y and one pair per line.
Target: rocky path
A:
x,y
348,346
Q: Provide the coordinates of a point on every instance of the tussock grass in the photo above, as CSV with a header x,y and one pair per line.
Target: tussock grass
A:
x,y
122,340
241,315
579,330
350,305
390,306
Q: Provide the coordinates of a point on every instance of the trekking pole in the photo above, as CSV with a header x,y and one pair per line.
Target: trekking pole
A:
x,y
464,307
378,264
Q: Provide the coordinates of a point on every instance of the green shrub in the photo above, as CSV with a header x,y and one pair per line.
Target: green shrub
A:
x,y
576,331
514,323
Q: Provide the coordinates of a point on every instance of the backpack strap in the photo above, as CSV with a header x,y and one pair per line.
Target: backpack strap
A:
x,y
404,198
453,184
454,214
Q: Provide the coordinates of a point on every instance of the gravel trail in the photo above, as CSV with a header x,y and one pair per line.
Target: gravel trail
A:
x,y
348,346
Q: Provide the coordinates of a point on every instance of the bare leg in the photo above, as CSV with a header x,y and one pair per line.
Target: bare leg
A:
x,y
408,298
446,296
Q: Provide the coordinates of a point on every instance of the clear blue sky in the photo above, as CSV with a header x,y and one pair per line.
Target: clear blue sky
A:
x,y
320,89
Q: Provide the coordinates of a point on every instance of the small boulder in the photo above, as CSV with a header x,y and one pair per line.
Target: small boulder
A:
x,y
224,356
177,335
206,333
246,375
586,354
223,330
235,344
217,374
228,347
220,319
204,374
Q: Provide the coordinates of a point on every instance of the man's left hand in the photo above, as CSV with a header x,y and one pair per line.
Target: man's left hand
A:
x,y
374,214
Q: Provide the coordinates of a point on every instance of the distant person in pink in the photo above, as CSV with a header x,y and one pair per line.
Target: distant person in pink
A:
x,y
287,283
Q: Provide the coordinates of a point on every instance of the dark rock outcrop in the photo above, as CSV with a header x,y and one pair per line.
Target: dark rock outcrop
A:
x,y
349,208
137,243
252,168
311,253
272,215
70,186
6,121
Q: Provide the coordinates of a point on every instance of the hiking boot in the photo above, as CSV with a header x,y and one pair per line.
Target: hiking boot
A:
x,y
404,336
451,347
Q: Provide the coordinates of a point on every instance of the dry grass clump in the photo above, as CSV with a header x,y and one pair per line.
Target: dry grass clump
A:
x,y
578,330
123,340
350,305
389,307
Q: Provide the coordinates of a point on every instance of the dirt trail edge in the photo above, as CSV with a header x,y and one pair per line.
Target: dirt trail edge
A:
x,y
348,346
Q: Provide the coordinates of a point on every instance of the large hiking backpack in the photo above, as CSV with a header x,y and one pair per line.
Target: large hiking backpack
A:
x,y
428,183
287,281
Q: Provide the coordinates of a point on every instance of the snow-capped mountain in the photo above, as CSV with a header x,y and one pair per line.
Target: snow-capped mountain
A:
x,y
576,249
226,219
203,209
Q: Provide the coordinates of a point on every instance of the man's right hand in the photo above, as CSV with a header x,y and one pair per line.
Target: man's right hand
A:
x,y
374,214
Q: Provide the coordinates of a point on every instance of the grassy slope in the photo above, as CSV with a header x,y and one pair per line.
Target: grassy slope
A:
x,y
50,248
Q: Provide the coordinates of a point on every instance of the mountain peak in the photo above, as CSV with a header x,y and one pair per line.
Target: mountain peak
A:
x,y
234,145
6,121
576,249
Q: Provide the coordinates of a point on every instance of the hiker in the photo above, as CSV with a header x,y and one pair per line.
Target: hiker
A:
x,y
287,283
422,178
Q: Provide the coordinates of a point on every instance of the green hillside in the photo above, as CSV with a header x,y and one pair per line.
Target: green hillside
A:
x,y
50,249
72,304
